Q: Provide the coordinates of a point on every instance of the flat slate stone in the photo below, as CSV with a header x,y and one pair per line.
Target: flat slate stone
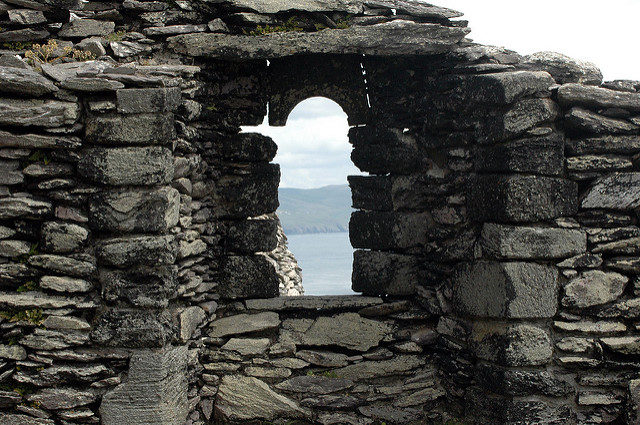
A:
x,y
91,85
276,6
313,303
311,384
604,145
395,38
563,68
414,8
586,122
243,324
63,265
11,419
619,191
137,250
597,98
376,369
33,299
516,242
82,28
25,82
511,344
131,129
38,113
38,141
62,398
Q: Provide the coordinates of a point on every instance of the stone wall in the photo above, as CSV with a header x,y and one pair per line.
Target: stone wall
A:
x,y
496,234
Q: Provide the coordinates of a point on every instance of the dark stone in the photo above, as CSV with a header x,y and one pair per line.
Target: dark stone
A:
x,y
563,68
388,230
137,250
246,147
597,98
506,87
513,382
250,194
136,101
623,145
386,150
248,277
380,273
147,287
514,198
24,82
130,129
581,121
249,236
520,118
133,328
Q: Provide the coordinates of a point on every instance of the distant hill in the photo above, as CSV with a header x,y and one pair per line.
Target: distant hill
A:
x,y
322,210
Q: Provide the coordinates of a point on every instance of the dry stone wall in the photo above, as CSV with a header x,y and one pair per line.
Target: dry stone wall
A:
x,y
496,234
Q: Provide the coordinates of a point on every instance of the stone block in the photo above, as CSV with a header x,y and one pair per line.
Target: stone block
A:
x,y
486,408
244,324
60,237
514,382
154,392
511,344
619,191
519,242
507,87
25,82
593,287
388,230
597,98
131,129
249,236
537,155
516,198
517,120
38,113
563,68
127,166
150,287
581,121
137,101
133,328
380,150
246,147
248,277
513,290
82,28
250,194
24,207
135,210
137,250
380,273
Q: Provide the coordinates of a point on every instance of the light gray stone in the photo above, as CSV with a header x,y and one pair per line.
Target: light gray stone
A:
x,y
12,352
190,319
511,344
583,121
61,398
620,191
339,302
563,68
63,265
398,37
243,323
518,242
125,49
597,98
91,84
137,250
12,419
93,45
414,8
243,398
63,237
174,29
247,346
154,393
277,6
37,141
135,210
81,28
594,287
323,358
25,82
506,290
507,87
376,369
312,384
626,345
590,327
66,323
45,339
32,299
131,129
13,249
65,284
26,16
136,101
23,207
38,113
127,166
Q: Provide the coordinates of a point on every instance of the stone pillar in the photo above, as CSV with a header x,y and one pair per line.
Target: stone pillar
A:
x,y
129,159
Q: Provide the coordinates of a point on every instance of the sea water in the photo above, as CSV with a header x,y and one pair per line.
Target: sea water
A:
x,y
326,260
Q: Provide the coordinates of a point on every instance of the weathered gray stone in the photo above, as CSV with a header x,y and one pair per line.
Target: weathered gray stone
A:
x,y
154,393
41,170
65,284
23,35
517,198
597,98
590,327
247,346
375,369
594,163
594,287
584,261
311,384
135,210
137,250
516,242
91,84
511,344
139,286
32,299
563,68
506,290
377,273
61,398
25,82
277,6
388,230
507,87
38,141
189,320
243,398
63,237
38,113
539,155
45,339
12,352
582,121
130,129
626,345
315,303
66,323
243,324
174,29
620,191
127,166
92,45
60,374
605,144
125,49
26,16
13,249
397,37
323,358
63,265
136,101
12,419
133,328
23,207
414,8
248,276
520,118
82,28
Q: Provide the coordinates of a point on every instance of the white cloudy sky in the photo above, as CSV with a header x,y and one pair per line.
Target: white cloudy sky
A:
x,y
313,150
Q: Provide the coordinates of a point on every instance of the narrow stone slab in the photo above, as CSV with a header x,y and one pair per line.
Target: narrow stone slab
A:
x,y
619,191
243,324
414,8
374,369
395,38
321,303
276,6
38,141
596,97
33,299
506,290
583,121
24,81
38,113
507,87
563,68
131,129
82,28
516,242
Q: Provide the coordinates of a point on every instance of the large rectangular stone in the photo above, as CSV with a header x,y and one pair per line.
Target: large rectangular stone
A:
x,y
538,155
382,273
131,129
513,290
248,277
127,166
135,210
132,328
507,87
597,97
249,236
519,198
246,147
388,230
251,193
386,150
517,242
517,120
137,250
136,101
511,344
416,192
146,287
38,113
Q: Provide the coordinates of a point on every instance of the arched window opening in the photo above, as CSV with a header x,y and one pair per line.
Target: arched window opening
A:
x,y
315,199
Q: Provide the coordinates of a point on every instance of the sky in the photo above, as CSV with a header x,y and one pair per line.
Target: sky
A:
x,y
313,148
